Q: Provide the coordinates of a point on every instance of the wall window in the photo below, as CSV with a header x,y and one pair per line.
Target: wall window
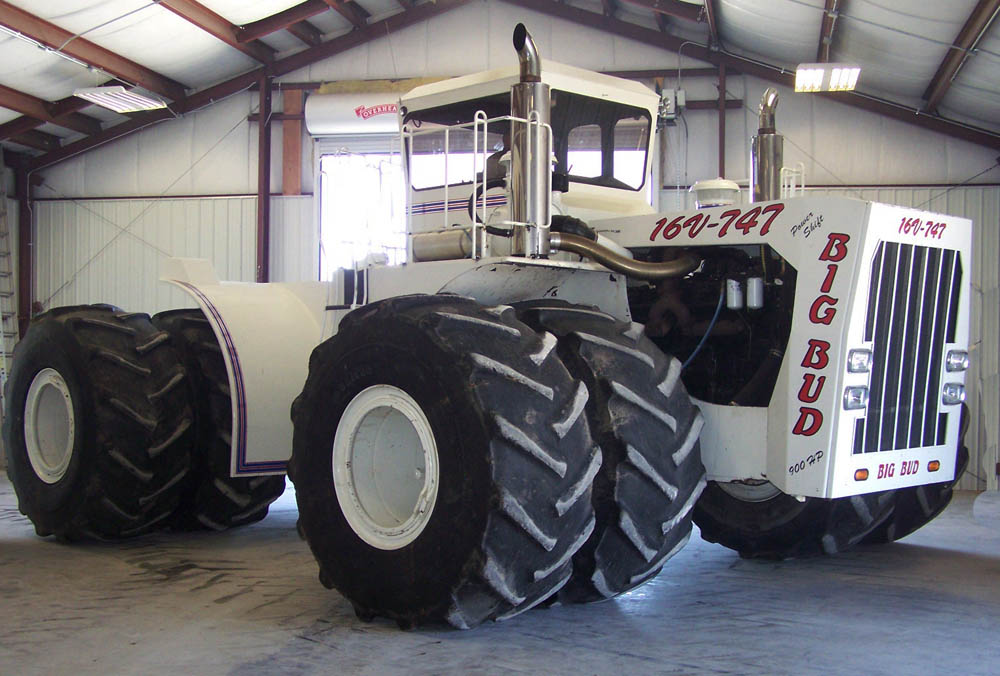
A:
x,y
362,203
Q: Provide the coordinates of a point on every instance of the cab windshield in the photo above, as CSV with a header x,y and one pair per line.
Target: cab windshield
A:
x,y
595,141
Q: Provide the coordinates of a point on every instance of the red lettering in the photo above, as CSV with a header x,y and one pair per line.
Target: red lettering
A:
x,y
816,355
831,272
773,210
809,422
814,312
886,471
836,247
811,388
695,224
729,216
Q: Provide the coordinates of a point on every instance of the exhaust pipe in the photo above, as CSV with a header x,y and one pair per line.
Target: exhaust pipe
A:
x,y
530,174
680,266
767,151
527,54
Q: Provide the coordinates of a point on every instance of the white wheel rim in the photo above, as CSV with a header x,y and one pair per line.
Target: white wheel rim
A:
x,y
385,467
49,425
750,491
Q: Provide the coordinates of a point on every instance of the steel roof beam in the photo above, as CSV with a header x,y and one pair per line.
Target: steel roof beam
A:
x,y
970,35
306,32
56,38
351,11
674,8
780,76
713,26
39,140
41,111
372,31
281,20
218,27
291,63
830,13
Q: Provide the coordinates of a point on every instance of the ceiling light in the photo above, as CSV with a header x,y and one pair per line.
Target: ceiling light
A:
x,y
119,99
826,77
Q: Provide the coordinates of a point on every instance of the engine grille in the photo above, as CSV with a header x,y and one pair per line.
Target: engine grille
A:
x,y
912,311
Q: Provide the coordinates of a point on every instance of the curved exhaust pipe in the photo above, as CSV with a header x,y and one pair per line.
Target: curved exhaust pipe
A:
x,y
767,151
765,114
582,246
527,54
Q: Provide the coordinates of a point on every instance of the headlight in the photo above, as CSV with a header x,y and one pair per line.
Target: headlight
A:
x,y
859,361
952,393
855,398
957,360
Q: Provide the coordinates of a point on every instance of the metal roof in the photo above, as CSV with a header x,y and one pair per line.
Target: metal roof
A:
x,y
936,64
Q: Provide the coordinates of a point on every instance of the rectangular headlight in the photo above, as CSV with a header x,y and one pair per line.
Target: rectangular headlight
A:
x,y
855,398
859,361
957,360
952,393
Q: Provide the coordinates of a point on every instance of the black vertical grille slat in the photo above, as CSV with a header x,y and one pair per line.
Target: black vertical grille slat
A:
x,y
873,293
937,345
859,436
922,373
912,311
883,317
953,309
910,343
942,427
897,326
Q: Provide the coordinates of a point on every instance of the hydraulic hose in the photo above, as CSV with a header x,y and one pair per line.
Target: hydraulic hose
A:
x,y
678,267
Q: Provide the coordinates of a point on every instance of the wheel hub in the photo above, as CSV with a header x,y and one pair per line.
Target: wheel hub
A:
x,y
385,467
750,490
49,425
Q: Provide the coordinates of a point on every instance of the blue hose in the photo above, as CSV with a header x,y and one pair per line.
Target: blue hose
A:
x,y
711,325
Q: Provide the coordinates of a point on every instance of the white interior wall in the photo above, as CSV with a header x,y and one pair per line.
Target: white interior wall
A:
x,y
110,251
837,144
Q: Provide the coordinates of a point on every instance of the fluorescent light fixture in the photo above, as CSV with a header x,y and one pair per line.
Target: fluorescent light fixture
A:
x,y
119,99
826,77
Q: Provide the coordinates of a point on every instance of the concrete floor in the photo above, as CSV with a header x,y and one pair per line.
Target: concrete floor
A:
x,y
248,602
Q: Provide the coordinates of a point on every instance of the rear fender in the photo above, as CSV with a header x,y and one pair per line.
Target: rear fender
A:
x,y
266,332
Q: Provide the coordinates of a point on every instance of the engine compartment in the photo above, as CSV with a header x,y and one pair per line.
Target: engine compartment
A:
x,y
728,321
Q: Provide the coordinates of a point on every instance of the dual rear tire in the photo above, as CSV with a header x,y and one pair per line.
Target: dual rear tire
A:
x,y
117,425
98,424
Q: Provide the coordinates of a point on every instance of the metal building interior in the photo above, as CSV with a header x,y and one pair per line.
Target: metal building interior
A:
x,y
231,170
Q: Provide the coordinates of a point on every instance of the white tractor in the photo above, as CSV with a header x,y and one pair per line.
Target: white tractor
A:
x,y
497,423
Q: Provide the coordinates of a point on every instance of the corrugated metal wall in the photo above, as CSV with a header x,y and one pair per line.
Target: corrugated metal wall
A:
x,y
109,251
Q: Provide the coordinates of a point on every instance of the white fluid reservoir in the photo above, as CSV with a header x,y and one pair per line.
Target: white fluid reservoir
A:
x,y
755,293
734,294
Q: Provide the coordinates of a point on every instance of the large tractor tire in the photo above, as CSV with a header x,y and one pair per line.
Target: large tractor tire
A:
x,y
440,467
916,506
98,425
212,499
759,521
647,429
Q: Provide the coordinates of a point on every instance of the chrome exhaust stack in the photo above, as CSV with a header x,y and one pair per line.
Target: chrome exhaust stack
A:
x,y
530,167
767,151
